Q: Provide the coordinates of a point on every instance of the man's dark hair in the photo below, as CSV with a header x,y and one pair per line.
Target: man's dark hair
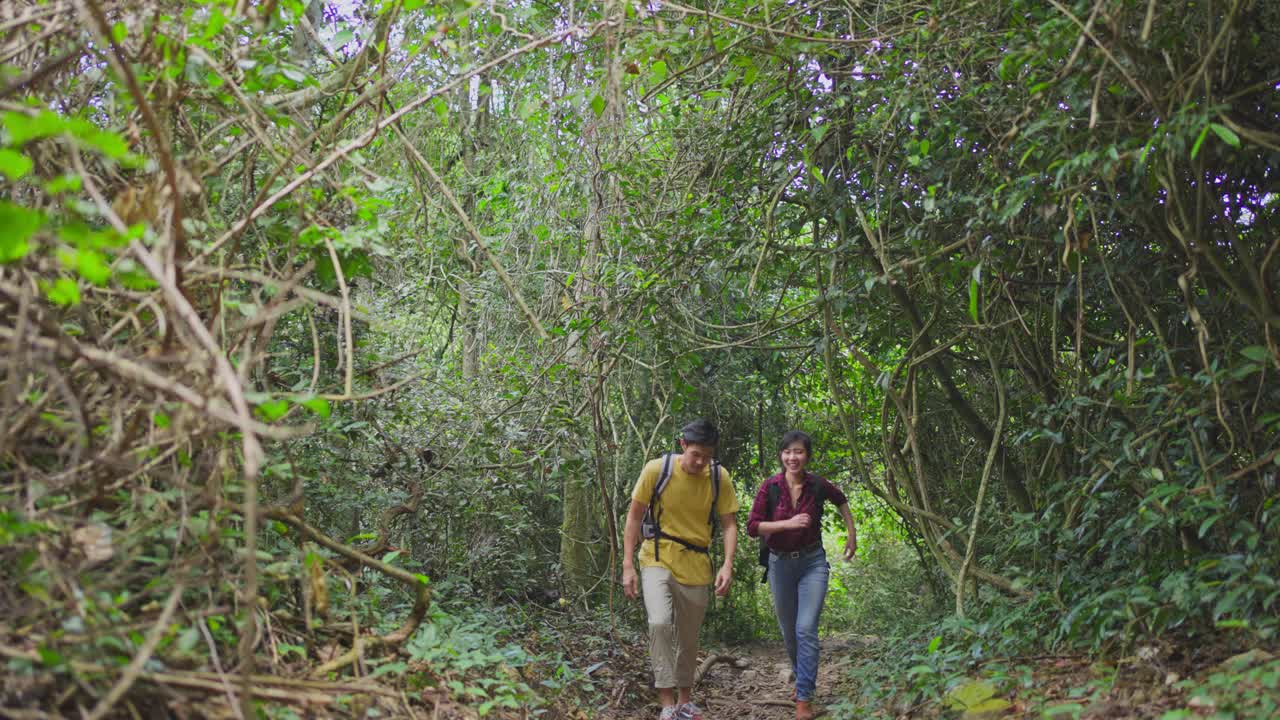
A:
x,y
701,432
794,436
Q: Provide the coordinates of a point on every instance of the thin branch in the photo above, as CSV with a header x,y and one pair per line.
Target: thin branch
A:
x,y
134,668
479,241
992,451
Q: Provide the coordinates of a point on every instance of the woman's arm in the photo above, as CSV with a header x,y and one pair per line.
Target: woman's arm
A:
x,y
796,522
756,517
850,543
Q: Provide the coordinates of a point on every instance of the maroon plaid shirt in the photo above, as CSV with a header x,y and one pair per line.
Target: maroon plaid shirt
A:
x,y
787,540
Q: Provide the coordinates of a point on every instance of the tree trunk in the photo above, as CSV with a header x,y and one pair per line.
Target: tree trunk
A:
x,y
581,553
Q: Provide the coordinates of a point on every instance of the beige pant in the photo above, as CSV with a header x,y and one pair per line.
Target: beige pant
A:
x,y
675,615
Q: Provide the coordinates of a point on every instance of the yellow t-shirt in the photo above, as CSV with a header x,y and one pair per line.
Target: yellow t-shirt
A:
x,y
684,506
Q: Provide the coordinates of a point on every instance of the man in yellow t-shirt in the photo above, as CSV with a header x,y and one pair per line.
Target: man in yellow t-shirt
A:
x,y
675,566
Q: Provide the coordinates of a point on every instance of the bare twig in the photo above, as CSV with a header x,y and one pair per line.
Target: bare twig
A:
x,y
134,669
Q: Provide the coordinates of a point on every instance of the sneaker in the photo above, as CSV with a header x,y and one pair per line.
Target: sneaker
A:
x,y
668,713
689,711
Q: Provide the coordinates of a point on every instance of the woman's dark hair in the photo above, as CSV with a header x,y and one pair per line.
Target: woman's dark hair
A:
x,y
701,432
794,436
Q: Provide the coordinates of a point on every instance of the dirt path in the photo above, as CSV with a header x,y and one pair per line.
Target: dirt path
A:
x,y
759,688
756,687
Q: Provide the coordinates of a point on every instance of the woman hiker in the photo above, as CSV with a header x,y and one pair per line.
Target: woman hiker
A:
x,y
788,512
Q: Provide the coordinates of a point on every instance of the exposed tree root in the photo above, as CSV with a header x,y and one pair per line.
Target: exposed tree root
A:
x,y
713,660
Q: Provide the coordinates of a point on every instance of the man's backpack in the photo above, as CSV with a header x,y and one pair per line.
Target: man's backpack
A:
x,y
771,502
651,526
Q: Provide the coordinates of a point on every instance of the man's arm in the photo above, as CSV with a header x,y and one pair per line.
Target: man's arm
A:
x,y
729,523
631,539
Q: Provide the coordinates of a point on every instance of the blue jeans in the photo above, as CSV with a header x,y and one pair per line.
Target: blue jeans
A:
x,y
799,587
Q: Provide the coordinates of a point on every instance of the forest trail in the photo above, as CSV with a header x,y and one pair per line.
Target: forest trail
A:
x,y
760,689
755,685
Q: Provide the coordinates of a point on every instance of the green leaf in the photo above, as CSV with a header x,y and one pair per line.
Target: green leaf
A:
x,y
597,105
63,292
343,37
1225,134
1072,709
317,405
987,708
440,107
1256,353
17,225
659,70
63,183
217,21
50,657
133,277
391,667
974,278
106,142
969,695
934,644
1207,524
88,263
119,32
1195,148
272,410
391,556
24,128
14,164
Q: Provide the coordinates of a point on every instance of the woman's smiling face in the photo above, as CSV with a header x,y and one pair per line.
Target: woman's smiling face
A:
x,y
795,457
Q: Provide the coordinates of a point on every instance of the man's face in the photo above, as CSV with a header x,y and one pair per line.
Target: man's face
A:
x,y
696,457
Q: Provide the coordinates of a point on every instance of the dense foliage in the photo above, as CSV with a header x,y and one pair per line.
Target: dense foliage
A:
x,y
311,310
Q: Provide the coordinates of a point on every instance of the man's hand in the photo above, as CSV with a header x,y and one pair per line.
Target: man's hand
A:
x,y
630,583
850,546
798,522
723,579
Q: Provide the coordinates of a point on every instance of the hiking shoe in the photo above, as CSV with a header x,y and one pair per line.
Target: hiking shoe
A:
x,y
668,713
689,711
805,710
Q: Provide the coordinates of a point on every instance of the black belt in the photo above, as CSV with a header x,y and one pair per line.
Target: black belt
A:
x,y
796,554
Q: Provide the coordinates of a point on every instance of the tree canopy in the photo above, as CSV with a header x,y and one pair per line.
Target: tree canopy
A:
x,y
319,317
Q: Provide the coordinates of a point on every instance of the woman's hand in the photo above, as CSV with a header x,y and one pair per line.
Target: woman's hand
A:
x,y
850,546
798,521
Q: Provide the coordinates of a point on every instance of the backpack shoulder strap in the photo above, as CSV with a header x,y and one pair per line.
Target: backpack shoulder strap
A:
x,y
771,499
715,492
664,477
